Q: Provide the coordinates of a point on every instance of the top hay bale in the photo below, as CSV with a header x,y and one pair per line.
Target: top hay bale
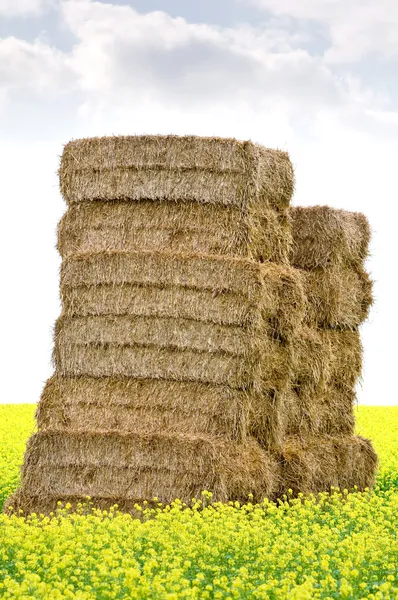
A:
x,y
324,237
220,171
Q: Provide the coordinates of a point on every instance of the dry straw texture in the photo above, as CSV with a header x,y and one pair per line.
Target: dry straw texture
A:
x,y
316,463
324,237
151,300
145,362
326,357
330,412
141,466
238,290
175,227
338,297
192,348
148,405
168,348
162,332
173,168
142,362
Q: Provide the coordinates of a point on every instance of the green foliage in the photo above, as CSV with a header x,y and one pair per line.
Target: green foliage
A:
x,y
341,546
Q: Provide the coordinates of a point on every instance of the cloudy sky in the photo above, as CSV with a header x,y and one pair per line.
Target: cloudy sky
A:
x,y
315,77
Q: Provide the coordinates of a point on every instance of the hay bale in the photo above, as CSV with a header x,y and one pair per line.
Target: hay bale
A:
x,y
326,412
337,297
144,362
325,237
161,332
312,357
326,357
142,405
140,466
173,168
150,300
150,405
174,227
274,292
347,351
318,393
316,463
158,268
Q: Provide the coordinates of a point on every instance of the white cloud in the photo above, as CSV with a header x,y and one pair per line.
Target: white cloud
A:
x,y
388,117
122,54
34,68
357,28
125,59
17,8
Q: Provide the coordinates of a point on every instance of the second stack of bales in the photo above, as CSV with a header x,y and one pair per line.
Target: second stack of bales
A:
x,y
329,249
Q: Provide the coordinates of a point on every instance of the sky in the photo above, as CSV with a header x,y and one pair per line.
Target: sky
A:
x,y
317,78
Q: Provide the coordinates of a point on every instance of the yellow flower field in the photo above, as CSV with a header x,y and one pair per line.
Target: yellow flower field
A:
x,y
343,546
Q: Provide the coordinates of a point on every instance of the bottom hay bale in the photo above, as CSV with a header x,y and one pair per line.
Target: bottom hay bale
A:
x,y
137,467
318,463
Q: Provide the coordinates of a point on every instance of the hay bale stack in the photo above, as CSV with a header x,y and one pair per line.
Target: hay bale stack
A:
x,y
190,354
130,466
329,249
319,449
179,310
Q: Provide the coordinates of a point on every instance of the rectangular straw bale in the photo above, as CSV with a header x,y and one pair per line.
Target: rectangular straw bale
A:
x,y
317,463
156,268
287,411
326,357
140,467
143,362
174,227
312,358
330,412
150,300
148,405
173,168
325,237
162,332
155,362
337,297
346,356
276,290
142,405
